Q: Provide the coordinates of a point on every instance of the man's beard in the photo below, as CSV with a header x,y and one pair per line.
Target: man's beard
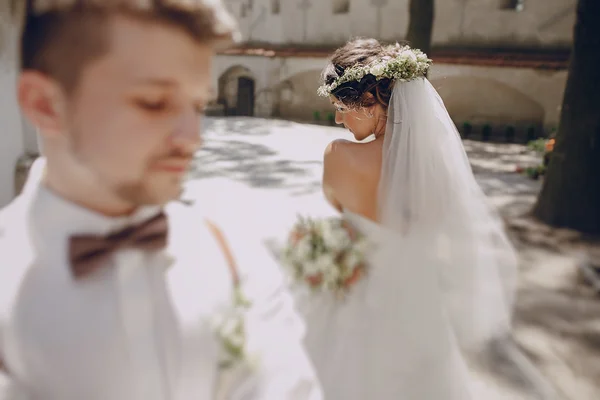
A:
x,y
140,192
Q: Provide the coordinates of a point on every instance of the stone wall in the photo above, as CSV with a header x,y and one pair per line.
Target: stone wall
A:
x,y
475,94
11,139
501,95
18,140
499,23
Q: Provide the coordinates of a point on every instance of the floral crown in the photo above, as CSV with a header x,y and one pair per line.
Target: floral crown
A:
x,y
406,65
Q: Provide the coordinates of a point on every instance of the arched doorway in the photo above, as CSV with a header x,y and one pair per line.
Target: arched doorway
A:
x,y
245,96
237,91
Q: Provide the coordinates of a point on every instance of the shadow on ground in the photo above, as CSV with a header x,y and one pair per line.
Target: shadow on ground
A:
x,y
240,149
557,318
568,320
237,149
255,165
243,125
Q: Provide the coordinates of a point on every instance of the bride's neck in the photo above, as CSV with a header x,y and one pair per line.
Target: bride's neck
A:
x,y
380,128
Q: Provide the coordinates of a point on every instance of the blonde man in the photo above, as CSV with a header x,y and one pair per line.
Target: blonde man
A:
x,y
109,290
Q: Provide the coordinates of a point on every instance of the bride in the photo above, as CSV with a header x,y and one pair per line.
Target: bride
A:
x,y
432,316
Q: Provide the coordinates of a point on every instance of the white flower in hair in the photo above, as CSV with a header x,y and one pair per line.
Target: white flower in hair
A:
x,y
377,69
408,64
409,55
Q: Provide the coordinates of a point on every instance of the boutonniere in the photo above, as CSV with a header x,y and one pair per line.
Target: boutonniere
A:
x,y
230,329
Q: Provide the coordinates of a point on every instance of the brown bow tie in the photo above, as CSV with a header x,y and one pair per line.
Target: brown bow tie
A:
x,y
88,252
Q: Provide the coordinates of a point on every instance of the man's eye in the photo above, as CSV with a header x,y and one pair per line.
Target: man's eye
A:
x,y
153,105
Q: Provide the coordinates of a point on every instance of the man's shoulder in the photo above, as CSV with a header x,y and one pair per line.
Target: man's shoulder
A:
x,y
15,250
13,218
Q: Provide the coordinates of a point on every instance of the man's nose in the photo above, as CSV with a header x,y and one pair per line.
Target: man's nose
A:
x,y
187,129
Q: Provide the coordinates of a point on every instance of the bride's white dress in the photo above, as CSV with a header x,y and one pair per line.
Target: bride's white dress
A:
x,y
391,337
377,341
438,294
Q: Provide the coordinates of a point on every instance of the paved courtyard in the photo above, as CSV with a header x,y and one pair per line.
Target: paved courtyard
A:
x,y
263,173
275,167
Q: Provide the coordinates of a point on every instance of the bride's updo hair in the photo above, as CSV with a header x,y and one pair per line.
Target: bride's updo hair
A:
x,y
361,52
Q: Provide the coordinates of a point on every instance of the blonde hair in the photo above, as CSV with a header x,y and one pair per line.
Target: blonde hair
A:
x,y
361,52
77,30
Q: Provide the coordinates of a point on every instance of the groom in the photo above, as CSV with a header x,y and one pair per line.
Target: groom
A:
x,y
109,291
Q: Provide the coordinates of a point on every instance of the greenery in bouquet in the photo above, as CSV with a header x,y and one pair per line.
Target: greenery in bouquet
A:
x,y
326,254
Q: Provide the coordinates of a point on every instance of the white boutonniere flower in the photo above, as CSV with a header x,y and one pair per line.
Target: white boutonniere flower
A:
x,y
230,328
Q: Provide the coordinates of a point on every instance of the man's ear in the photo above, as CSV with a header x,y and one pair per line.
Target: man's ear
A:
x,y
42,101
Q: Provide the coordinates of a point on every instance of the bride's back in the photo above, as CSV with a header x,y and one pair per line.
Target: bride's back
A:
x,y
352,170
440,286
351,176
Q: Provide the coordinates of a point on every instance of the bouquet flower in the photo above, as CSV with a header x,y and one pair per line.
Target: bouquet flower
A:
x,y
326,254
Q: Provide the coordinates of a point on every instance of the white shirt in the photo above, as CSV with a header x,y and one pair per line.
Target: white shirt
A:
x,y
140,327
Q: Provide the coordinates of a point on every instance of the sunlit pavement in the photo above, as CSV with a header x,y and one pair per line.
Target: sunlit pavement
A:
x,y
274,167
260,174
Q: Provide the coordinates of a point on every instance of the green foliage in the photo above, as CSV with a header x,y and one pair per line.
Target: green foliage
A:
x,y
535,172
486,132
537,145
331,118
510,133
531,132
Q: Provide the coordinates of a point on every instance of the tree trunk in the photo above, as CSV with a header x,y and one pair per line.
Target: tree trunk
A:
x,y
420,27
570,196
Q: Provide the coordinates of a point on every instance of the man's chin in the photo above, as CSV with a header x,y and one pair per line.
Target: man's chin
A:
x,y
159,196
169,195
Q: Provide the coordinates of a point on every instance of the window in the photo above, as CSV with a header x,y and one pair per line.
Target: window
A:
x,y
341,6
515,5
275,7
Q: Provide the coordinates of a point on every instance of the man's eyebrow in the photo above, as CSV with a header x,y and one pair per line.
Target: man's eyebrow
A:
x,y
156,82
170,84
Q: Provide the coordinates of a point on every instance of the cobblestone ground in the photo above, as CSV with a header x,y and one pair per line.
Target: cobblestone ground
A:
x,y
266,172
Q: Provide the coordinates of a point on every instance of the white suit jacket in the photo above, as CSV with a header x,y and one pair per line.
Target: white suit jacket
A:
x,y
139,328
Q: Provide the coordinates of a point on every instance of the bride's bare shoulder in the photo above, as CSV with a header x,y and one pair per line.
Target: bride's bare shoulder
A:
x,y
338,145
351,176
351,156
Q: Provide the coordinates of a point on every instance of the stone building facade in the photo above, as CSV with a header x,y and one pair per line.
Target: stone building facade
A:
x,y
496,62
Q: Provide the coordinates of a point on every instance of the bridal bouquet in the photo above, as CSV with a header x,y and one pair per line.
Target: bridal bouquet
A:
x,y
326,254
